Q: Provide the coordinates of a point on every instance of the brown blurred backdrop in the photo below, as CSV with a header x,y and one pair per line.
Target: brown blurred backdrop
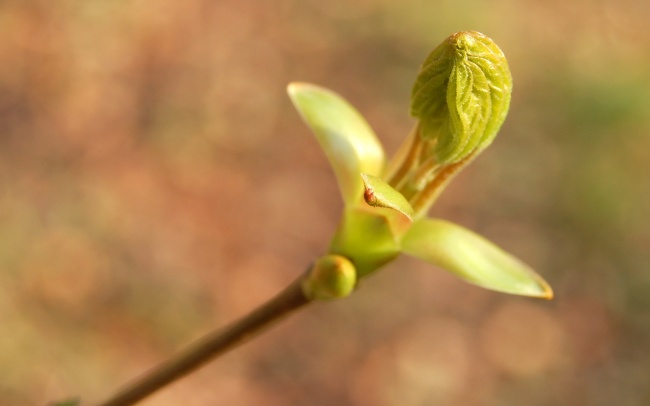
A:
x,y
155,182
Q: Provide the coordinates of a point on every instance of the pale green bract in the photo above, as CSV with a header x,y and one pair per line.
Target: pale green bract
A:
x,y
380,194
349,143
461,98
472,258
462,95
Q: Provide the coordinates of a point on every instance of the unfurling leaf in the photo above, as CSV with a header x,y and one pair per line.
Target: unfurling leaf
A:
x,y
462,95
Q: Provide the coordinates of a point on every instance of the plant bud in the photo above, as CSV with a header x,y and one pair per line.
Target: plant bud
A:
x,y
461,95
331,277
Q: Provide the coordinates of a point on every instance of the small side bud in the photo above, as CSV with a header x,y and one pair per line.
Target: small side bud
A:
x,y
331,277
462,95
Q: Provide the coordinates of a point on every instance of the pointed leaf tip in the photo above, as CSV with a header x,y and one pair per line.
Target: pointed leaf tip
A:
x,y
378,193
472,258
295,87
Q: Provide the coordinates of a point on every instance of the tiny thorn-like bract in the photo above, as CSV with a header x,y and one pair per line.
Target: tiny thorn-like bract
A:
x,y
369,197
378,193
461,95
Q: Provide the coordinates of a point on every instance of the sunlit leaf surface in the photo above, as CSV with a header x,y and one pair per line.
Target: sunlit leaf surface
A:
x,y
472,258
348,141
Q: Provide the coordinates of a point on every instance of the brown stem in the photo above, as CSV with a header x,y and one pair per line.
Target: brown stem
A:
x,y
211,346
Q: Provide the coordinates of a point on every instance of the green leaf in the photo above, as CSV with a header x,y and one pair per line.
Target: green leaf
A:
x,y
472,258
348,141
462,95
378,193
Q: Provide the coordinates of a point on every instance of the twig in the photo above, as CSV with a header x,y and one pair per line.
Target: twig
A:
x,y
211,346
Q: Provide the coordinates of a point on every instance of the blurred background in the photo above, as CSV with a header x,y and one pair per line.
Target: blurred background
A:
x,y
155,182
